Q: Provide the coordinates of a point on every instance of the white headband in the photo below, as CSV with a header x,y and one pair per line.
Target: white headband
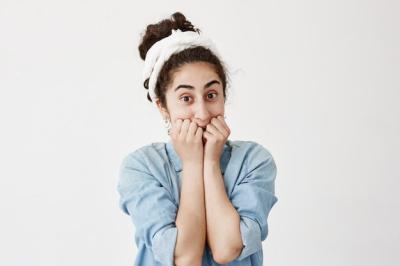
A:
x,y
161,51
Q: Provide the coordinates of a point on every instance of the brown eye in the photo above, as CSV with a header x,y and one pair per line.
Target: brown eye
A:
x,y
212,94
185,98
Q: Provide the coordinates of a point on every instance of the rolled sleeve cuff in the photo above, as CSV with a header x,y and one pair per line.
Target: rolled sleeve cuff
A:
x,y
164,245
251,237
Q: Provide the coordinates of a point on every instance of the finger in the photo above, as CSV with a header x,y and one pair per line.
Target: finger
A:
x,y
222,119
176,127
220,126
184,128
213,130
192,129
199,133
206,135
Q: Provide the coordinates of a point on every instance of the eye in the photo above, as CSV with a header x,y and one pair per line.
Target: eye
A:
x,y
212,94
185,98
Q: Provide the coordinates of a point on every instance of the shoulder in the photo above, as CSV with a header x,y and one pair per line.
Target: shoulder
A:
x,y
142,165
145,155
249,148
256,163
251,155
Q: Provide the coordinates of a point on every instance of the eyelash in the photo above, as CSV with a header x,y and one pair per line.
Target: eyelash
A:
x,y
207,95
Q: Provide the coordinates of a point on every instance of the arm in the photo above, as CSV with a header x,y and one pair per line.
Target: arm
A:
x,y
175,233
190,219
253,196
223,221
150,204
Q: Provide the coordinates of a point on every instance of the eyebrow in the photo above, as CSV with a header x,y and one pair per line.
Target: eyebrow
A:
x,y
191,87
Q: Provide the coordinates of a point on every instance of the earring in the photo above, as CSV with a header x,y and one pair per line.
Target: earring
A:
x,y
167,124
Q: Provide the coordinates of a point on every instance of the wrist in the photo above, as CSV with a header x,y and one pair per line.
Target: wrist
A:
x,y
211,163
192,164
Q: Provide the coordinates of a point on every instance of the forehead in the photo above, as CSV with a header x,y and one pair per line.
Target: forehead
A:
x,y
192,73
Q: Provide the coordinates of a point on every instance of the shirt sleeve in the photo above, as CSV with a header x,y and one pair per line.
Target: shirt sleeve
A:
x,y
253,197
150,207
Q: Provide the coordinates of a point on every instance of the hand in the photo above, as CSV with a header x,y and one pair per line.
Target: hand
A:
x,y
216,134
186,137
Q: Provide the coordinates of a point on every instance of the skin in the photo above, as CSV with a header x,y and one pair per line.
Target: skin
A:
x,y
198,135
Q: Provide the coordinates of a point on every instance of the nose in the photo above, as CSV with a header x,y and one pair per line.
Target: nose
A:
x,y
202,113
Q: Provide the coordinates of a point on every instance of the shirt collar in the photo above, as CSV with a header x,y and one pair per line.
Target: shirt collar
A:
x,y
176,161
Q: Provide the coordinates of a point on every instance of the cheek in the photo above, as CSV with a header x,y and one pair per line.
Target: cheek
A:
x,y
176,111
218,109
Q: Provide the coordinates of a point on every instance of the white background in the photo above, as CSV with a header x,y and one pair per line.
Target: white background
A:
x,y
315,82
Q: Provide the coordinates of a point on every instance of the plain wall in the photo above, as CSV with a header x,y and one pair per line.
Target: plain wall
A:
x,y
315,82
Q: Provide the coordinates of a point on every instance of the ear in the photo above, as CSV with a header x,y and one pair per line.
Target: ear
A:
x,y
164,112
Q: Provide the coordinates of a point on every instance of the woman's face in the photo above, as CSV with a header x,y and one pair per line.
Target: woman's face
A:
x,y
195,93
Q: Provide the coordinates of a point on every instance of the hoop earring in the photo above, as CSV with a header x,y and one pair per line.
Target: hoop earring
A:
x,y
167,125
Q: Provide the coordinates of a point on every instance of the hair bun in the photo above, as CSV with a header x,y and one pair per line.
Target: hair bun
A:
x,y
181,23
162,29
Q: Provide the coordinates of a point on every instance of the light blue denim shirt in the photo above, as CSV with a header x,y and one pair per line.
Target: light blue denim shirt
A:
x,y
149,186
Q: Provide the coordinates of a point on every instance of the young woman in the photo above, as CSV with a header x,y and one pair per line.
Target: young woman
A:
x,y
200,198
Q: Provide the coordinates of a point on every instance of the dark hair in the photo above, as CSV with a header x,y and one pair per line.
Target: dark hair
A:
x,y
162,29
